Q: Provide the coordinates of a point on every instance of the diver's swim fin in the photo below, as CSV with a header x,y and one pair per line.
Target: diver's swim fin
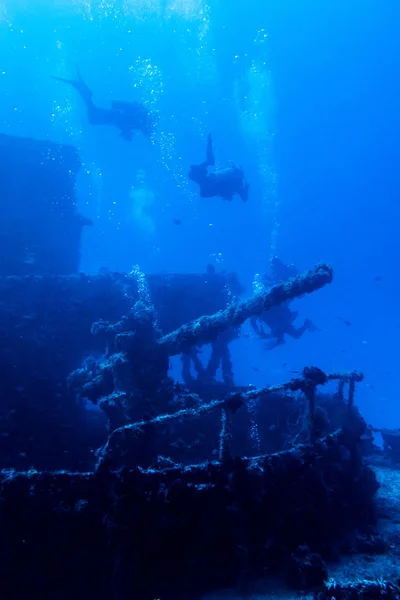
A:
x,y
78,84
210,153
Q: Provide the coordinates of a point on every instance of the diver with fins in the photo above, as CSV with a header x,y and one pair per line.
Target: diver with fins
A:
x,y
224,182
279,319
125,116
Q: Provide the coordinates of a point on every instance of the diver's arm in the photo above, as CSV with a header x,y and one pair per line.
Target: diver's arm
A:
x,y
210,158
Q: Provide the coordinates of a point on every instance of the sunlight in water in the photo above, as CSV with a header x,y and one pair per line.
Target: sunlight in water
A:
x,y
257,114
63,114
147,77
197,61
3,15
190,20
198,55
190,10
142,200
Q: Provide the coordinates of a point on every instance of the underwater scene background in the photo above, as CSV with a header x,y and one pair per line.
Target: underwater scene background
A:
x,y
304,96
171,173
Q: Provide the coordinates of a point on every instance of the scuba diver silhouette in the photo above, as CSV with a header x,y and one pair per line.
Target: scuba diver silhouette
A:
x,y
125,116
223,182
279,319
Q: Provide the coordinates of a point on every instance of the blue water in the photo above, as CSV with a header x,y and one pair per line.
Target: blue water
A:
x,y
304,95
